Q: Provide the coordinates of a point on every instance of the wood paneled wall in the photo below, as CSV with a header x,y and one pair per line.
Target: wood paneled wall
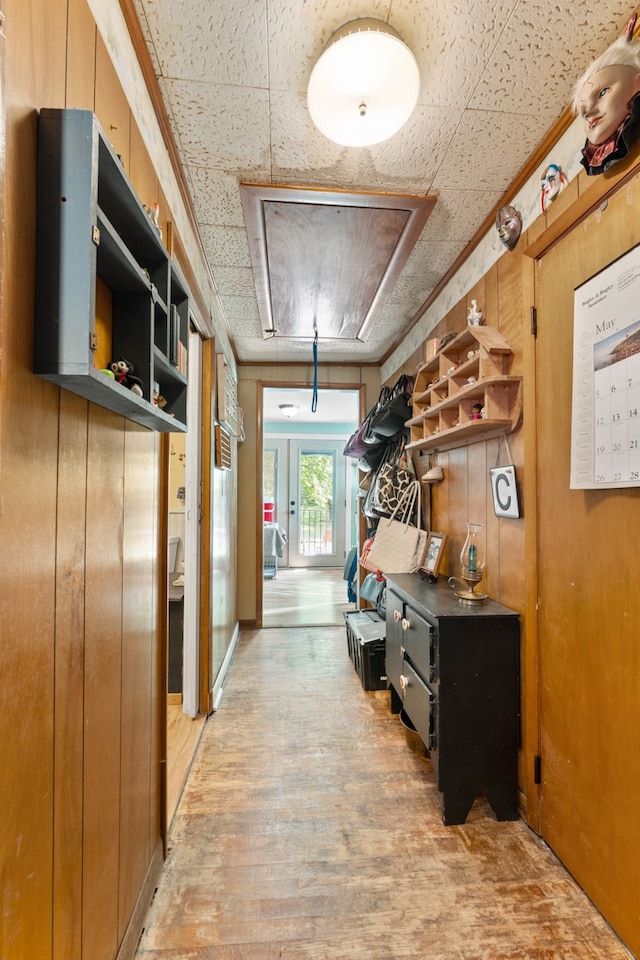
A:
x,y
81,527
503,294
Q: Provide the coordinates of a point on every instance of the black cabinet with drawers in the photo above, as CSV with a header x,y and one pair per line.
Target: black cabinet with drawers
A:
x,y
454,671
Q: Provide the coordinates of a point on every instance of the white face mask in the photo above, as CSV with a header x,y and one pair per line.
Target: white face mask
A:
x,y
605,100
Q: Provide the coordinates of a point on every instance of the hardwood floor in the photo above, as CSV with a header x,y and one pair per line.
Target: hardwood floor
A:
x,y
305,596
310,829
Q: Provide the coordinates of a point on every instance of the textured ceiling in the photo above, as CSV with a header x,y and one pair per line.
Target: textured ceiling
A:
x,y
495,76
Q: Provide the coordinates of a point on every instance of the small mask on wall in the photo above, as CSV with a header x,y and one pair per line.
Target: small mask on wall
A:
x,y
509,226
551,182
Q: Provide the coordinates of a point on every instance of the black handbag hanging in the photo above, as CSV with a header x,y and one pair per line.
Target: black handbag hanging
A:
x,y
363,441
389,419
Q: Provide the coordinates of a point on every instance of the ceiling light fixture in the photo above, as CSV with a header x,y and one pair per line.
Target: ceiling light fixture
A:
x,y
288,410
364,86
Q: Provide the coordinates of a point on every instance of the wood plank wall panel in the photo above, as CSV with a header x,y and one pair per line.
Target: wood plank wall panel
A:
x,y
81,57
81,779
69,678
103,671
589,605
141,171
111,106
28,434
465,495
139,629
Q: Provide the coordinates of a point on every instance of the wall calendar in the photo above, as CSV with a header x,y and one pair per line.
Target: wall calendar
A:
x,y
605,423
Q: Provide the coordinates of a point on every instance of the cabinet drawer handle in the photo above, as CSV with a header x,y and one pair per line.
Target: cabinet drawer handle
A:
x,y
404,682
396,615
406,624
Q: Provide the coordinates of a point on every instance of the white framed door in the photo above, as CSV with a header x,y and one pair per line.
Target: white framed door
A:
x,y
316,503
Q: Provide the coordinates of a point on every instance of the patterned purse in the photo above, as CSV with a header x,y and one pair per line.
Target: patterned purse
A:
x,y
393,481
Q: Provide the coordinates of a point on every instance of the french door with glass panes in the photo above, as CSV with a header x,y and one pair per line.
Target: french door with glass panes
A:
x,y
316,503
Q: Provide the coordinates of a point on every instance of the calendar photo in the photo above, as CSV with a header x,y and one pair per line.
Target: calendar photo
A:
x,y
605,431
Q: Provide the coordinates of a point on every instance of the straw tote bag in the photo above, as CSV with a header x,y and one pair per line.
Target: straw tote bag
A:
x,y
398,545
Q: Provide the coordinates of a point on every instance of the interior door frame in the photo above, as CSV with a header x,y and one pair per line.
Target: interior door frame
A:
x,y
263,385
192,523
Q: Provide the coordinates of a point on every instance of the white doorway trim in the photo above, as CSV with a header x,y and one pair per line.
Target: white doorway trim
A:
x,y
192,527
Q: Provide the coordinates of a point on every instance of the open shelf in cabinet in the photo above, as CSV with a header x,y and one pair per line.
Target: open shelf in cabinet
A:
x,y
465,393
91,229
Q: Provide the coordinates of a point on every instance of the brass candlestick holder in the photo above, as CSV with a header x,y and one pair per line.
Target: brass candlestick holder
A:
x,y
468,595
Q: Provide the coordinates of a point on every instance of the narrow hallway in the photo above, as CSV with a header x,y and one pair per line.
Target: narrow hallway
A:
x,y
310,829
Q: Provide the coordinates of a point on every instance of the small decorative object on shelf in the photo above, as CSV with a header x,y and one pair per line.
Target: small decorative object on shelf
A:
x,y
153,212
474,317
472,562
123,372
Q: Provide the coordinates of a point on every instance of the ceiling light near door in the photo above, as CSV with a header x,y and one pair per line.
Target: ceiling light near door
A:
x,y
365,85
288,410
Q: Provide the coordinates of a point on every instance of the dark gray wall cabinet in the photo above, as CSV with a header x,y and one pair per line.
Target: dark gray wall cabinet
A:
x,y
454,670
91,224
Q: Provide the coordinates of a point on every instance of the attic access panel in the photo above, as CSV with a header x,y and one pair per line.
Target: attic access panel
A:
x,y
327,258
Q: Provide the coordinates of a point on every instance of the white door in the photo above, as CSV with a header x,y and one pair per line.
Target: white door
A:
x,y
317,508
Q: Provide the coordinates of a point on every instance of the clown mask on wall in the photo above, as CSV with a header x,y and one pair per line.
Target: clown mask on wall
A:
x,y
550,183
607,99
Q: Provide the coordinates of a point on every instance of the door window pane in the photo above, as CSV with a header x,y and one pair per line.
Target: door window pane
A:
x,y
317,500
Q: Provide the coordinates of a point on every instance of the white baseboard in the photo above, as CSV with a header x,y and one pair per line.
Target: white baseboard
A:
x,y
218,685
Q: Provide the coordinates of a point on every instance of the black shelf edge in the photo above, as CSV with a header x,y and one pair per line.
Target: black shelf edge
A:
x,y
102,390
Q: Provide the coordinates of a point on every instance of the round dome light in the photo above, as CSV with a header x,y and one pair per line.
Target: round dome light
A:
x,y
365,85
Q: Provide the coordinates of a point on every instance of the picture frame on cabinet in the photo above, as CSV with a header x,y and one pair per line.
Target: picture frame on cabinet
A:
x,y
433,555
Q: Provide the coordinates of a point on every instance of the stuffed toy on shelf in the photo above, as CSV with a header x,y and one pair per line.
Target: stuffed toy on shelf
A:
x,y
124,373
